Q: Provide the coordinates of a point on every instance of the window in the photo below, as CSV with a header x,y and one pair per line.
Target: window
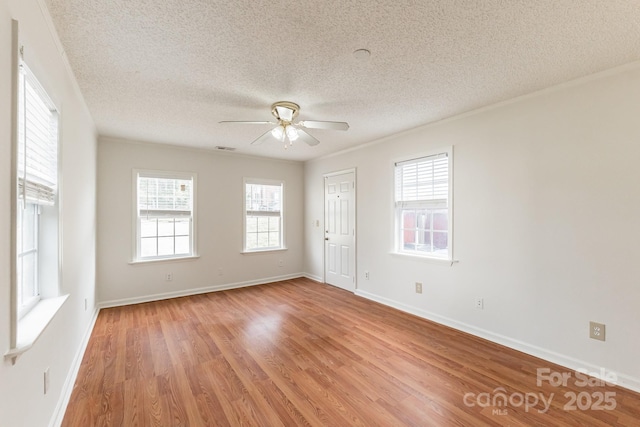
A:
x,y
164,215
37,180
263,228
423,212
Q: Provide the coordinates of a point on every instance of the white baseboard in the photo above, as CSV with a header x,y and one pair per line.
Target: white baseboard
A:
x,y
624,381
314,278
69,382
196,291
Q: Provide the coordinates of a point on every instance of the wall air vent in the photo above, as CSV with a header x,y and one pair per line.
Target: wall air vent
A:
x,y
223,148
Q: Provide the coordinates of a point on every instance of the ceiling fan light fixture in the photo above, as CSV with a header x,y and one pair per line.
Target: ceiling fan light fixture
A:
x,y
278,133
292,133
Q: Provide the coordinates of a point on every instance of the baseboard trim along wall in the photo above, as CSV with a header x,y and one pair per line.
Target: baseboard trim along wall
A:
x,y
196,291
624,381
72,375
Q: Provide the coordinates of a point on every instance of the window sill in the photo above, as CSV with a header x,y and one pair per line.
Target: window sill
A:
x,y
262,251
427,259
147,261
31,326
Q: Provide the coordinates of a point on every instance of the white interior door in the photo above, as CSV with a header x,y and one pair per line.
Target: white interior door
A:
x,y
340,230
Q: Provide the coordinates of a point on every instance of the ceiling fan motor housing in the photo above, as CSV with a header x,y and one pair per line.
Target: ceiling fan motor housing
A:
x,y
285,111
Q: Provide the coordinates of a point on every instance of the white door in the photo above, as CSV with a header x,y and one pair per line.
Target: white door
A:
x,y
340,230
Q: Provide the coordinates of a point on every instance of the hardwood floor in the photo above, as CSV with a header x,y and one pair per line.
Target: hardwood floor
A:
x,y
302,353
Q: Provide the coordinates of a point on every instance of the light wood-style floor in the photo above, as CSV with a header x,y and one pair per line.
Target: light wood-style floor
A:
x,y
302,353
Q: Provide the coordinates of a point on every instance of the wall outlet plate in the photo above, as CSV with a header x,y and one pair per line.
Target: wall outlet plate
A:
x,y
597,331
479,303
418,288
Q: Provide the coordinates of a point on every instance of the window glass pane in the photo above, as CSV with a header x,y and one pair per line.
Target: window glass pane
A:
x,y
263,223
148,246
165,226
165,246
440,220
274,223
252,224
408,240
252,240
182,245
29,276
424,241
440,240
182,227
29,228
263,240
148,227
409,218
274,240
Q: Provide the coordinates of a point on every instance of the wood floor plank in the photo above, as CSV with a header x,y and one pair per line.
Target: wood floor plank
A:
x,y
302,353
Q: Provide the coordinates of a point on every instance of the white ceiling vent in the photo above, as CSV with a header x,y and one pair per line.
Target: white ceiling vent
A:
x,y
223,148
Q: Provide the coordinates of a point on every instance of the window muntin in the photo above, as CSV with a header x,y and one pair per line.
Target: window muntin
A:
x,y
164,215
422,188
263,215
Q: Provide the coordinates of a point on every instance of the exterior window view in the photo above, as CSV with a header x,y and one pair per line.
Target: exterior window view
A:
x,y
422,206
165,216
263,216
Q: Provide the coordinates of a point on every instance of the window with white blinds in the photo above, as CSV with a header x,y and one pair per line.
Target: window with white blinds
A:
x,y
263,228
423,221
37,142
164,215
37,185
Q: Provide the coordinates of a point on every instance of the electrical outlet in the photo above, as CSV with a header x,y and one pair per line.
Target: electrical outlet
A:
x,y
366,275
168,277
219,272
280,263
418,288
86,304
46,380
597,331
479,303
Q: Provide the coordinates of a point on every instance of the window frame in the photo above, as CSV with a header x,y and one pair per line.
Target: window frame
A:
x,y
397,210
37,190
282,237
136,220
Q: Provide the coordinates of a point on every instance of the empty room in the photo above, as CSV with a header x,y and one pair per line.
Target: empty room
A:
x,y
319,213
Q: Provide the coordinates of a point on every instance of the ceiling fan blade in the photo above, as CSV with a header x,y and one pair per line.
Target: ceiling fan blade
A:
x,y
305,137
267,136
315,124
247,123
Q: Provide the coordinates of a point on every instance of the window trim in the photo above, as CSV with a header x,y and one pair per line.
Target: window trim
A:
x,y
262,181
135,225
26,326
395,239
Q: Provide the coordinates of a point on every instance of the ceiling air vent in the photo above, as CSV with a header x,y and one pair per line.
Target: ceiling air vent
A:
x,y
223,148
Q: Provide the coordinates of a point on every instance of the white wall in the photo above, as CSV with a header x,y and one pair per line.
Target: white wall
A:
x,y
219,217
546,217
22,401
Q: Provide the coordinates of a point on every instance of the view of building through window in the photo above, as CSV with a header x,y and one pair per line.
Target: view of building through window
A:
x,y
263,216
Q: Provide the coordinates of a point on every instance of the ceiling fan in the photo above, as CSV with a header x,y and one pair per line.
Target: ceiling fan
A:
x,y
286,131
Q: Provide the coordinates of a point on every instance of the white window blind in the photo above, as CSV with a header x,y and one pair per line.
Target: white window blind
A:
x,y
164,197
37,142
423,182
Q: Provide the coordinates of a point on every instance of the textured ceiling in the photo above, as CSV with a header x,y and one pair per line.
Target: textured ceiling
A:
x,y
168,71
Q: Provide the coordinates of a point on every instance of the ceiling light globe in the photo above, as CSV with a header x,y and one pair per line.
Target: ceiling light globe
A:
x,y
292,133
278,132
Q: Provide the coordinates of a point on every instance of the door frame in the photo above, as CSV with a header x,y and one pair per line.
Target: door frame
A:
x,y
353,170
